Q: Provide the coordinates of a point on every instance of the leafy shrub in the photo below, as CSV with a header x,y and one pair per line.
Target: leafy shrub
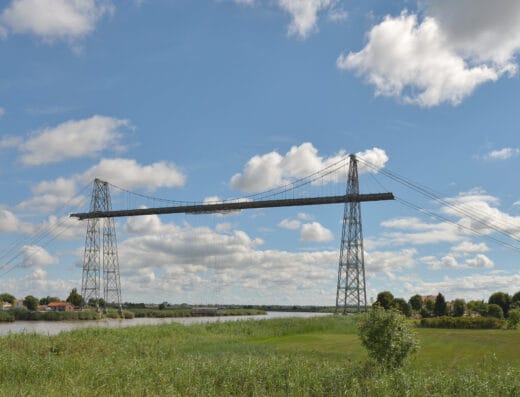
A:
x,y
161,313
6,317
459,307
514,318
462,322
385,299
403,306
501,299
495,311
110,313
386,336
127,314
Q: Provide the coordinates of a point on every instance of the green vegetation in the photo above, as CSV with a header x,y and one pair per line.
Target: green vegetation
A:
x,y
440,308
514,318
463,322
387,337
5,297
296,357
6,317
187,312
75,298
30,302
26,315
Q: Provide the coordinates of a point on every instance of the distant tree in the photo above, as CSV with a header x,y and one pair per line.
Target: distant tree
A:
x,y
416,302
501,299
495,311
515,301
385,299
161,306
386,336
459,307
514,318
75,298
479,307
5,297
425,312
49,299
440,308
427,308
429,304
30,302
403,306
96,302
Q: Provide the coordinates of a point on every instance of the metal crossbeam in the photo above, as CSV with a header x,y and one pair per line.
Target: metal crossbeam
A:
x,y
235,206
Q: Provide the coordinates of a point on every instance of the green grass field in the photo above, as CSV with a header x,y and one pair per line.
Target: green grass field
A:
x,y
295,357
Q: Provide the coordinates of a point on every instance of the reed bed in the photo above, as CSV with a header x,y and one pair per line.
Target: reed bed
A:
x,y
280,357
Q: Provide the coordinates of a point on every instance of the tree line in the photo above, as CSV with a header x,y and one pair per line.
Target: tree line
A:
x,y
31,302
499,305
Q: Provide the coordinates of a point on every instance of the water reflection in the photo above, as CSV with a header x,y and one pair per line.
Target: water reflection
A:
x,y
53,328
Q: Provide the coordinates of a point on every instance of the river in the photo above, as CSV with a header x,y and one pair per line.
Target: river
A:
x,y
55,327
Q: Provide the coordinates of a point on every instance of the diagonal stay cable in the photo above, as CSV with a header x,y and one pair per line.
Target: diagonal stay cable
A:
x,y
434,196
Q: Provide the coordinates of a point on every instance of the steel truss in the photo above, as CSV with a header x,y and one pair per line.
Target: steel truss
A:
x,y
351,294
94,258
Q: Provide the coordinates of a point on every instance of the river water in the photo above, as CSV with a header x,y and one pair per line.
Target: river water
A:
x,y
55,327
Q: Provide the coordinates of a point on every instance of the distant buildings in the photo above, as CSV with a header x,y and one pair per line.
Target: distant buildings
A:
x,y
51,307
60,307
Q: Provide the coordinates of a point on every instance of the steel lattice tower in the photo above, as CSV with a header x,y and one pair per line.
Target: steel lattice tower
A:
x,y
93,256
351,292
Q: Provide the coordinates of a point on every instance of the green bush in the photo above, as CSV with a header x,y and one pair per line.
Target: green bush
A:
x,y
514,318
25,315
462,322
161,313
459,307
127,314
495,311
6,317
386,336
111,313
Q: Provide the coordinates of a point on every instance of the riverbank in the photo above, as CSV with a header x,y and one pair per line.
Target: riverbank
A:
x,y
86,315
318,356
56,327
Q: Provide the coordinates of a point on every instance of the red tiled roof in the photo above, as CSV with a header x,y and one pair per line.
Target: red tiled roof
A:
x,y
58,304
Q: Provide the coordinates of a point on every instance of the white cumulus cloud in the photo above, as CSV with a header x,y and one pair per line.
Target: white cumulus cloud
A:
x,y
315,232
467,247
480,261
443,55
263,172
54,19
503,154
36,256
48,196
72,139
129,174
290,224
304,15
414,61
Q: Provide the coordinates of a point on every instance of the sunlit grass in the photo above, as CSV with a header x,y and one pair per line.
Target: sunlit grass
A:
x,y
318,356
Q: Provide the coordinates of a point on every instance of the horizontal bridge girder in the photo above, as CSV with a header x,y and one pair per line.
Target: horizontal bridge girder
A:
x,y
235,206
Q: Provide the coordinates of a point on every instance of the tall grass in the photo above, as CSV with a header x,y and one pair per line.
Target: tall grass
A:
x,y
244,358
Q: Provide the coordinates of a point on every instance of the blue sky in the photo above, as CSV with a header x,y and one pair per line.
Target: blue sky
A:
x,y
194,100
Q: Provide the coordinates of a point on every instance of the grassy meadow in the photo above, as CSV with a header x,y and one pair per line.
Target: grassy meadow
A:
x,y
295,357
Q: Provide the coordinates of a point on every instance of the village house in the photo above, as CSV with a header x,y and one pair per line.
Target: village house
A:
x,y
5,306
60,307
425,298
18,304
